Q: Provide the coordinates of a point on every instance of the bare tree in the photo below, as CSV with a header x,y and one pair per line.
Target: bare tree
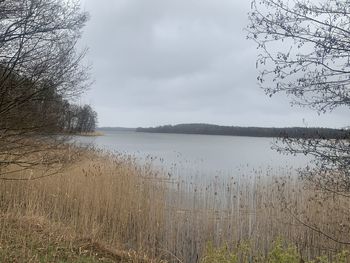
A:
x,y
39,69
305,53
78,119
312,62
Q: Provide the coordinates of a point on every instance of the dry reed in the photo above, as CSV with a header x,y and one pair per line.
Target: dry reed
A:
x,y
114,200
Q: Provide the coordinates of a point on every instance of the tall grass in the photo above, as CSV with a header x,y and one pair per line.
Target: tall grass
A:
x,y
257,209
103,197
113,199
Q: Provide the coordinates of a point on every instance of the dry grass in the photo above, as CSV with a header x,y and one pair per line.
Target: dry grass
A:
x,y
110,199
103,197
34,239
257,210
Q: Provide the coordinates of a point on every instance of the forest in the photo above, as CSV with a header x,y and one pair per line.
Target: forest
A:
x,y
209,129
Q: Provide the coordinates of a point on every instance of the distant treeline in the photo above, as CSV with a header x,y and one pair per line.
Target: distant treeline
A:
x,y
208,129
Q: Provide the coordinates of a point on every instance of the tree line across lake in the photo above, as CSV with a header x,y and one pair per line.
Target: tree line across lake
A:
x,y
209,129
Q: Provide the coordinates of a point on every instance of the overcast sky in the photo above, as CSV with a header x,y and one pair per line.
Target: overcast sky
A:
x,y
159,62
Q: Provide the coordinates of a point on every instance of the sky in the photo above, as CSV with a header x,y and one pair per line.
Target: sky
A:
x,y
159,62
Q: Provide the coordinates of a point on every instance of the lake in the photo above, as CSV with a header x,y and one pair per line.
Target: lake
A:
x,y
199,157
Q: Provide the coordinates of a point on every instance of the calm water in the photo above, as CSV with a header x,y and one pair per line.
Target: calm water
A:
x,y
198,156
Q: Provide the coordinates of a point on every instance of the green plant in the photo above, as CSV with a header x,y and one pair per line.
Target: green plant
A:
x,y
222,255
280,254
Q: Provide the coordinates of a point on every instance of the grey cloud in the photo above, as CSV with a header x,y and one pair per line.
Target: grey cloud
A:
x,y
165,61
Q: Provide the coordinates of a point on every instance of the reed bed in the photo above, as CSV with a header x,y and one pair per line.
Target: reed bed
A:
x,y
103,197
256,210
112,199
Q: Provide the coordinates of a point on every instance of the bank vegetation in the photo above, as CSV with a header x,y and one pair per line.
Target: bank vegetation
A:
x,y
130,210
